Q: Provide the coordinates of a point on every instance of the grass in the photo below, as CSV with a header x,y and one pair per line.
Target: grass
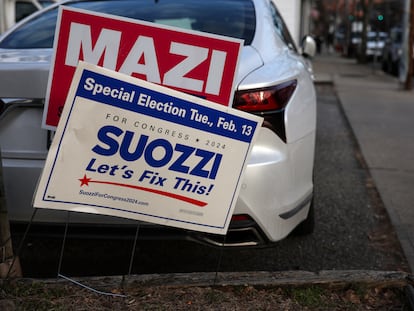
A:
x,y
310,297
35,295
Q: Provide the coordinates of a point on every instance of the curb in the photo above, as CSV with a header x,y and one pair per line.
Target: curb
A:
x,y
331,278
321,79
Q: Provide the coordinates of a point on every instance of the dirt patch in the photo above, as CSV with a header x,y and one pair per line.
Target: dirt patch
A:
x,y
67,297
374,291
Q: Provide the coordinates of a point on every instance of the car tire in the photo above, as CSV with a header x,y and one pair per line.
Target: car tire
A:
x,y
385,65
308,225
394,68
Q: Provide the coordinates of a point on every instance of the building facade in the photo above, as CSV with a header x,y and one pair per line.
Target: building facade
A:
x,y
296,14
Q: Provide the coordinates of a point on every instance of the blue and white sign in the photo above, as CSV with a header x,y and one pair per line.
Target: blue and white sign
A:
x,y
129,148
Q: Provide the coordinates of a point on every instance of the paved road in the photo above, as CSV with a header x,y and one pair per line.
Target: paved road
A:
x,y
353,231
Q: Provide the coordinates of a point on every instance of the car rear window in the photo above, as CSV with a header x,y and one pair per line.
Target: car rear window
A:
x,y
233,18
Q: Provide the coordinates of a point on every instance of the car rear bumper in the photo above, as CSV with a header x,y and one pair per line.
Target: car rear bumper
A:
x,y
275,192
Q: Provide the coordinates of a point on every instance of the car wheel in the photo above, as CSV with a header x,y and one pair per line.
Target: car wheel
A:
x,y
308,225
385,65
394,68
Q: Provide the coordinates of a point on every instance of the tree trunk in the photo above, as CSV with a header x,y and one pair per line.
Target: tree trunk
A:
x,y
366,10
9,265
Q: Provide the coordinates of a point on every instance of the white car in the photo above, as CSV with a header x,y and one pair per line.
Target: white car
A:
x,y
274,80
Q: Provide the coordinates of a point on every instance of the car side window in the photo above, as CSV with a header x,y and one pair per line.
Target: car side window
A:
x,y
281,27
37,33
230,18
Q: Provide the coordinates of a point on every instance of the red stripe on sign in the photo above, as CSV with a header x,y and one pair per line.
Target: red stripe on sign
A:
x,y
163,193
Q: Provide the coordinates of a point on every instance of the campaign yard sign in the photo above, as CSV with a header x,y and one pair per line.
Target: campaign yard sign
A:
x,y
198,63
129,148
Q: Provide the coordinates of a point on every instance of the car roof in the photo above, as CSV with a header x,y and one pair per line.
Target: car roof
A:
x,y
79,3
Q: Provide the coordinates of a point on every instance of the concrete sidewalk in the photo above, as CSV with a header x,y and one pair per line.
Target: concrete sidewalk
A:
x,y
381,115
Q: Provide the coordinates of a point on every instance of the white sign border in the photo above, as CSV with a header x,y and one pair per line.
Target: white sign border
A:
x,y
113,74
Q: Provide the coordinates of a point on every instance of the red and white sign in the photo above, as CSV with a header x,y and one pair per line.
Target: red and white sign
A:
x,y
198,63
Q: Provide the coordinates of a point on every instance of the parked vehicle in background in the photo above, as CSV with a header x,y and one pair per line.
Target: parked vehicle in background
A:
x,y
375,44
356,38
340,41
392,51
12,11
274,80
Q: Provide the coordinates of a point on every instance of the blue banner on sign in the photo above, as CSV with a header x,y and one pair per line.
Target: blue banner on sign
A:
x,y
114,92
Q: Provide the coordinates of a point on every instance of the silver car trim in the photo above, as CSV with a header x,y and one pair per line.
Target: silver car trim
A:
x,y
17,155
255,240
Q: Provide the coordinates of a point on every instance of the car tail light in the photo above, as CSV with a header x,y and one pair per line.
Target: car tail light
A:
x,y
274,98
241,217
